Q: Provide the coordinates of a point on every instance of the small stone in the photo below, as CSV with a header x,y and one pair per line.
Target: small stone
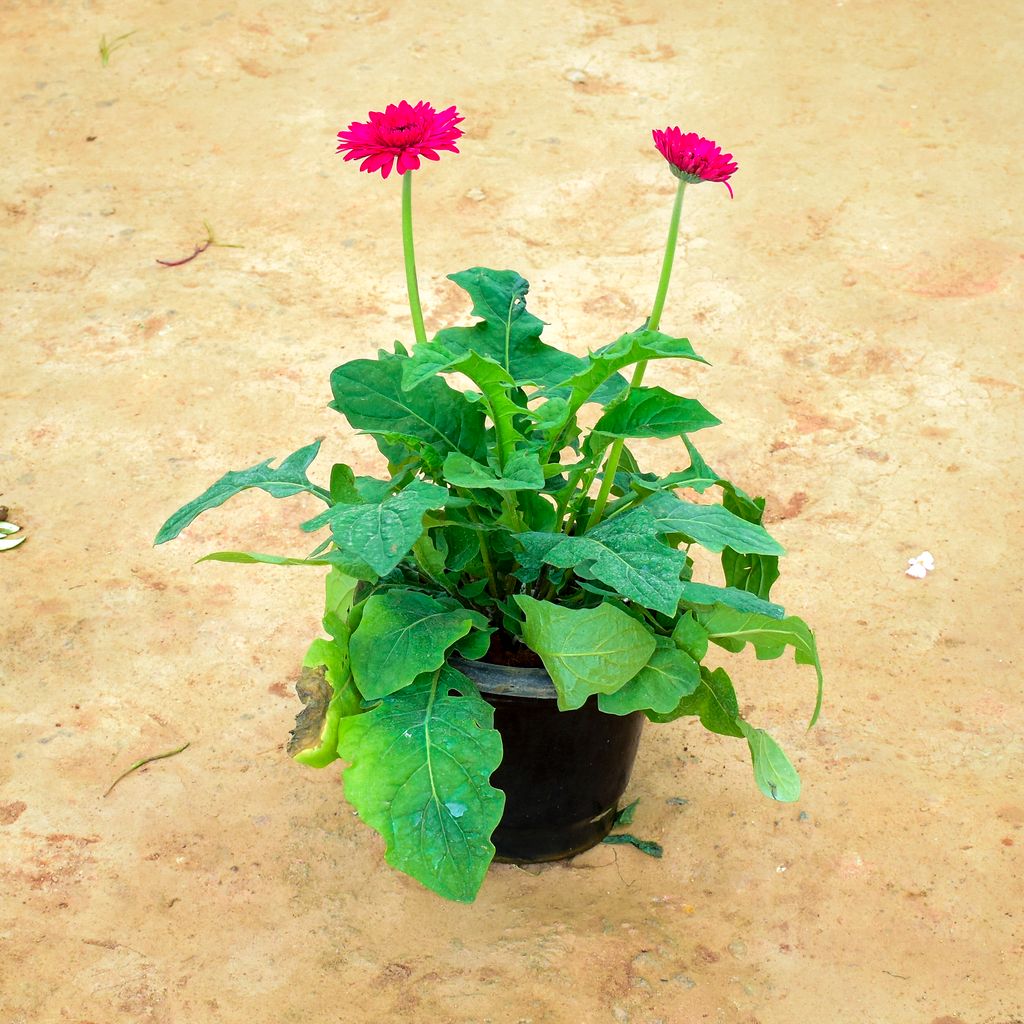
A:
x,y
803,816
477,195
576,75
685,980
737,948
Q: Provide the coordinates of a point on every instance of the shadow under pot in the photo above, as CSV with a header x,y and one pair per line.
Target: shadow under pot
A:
x,y
562,772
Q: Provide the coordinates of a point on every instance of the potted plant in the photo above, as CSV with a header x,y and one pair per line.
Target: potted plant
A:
x,y
516,580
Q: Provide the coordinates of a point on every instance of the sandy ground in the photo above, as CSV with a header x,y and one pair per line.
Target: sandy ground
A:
x,y
860,301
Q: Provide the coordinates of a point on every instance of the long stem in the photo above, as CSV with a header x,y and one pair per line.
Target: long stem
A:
x,y
410,259
485,555
612,465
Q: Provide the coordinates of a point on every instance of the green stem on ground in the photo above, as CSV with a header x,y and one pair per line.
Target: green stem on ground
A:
x,y
612,465
410,259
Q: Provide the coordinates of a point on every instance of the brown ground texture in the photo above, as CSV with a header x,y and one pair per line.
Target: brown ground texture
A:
x,y
860,302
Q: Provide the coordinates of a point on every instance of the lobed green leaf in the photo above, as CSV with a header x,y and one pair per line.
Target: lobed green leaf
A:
x,y
712,526
381,533
287,479
624,553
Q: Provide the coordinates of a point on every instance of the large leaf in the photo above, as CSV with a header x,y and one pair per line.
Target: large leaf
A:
x,y
752,572
507,332
496,385
419,765
624,553
287,479
711,526
741,600
403,634
733,629
381,533
655,412
714,701
368,392
670,675
774,774
586,651
635,347
522,472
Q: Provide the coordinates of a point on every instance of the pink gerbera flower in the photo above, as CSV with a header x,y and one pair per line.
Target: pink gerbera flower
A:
x,y
694,158
403,133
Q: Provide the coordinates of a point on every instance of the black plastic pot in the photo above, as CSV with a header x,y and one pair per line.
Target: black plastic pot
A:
x,y
562,772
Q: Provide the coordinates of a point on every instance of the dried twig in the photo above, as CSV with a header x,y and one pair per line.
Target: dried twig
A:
x,y
144,761
210,240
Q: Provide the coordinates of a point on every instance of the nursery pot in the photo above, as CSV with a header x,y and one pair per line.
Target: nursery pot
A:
x,y
562,772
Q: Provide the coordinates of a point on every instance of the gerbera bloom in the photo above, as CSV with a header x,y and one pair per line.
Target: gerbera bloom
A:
x,y
403,133
693,158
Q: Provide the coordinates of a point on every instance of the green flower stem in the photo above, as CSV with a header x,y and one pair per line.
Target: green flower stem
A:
x,y
612,465
485,555
410,259
568,492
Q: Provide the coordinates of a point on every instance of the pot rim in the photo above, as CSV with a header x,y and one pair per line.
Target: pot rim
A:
x,y
507,680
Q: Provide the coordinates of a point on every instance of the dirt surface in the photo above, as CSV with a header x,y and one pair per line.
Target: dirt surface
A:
x,y
860,302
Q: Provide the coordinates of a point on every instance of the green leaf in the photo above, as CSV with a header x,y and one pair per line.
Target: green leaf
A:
x,y
624,553
733,629
403,634
253,558
648,846
754,573
550,415
368,392
586,651
635,347
626,815
419,765
690,636
522,472
496,385
289,478
750,572
670,675
339,596
655,412
711,526
775,775
507,333
338,559
381,533
714,701
741,600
